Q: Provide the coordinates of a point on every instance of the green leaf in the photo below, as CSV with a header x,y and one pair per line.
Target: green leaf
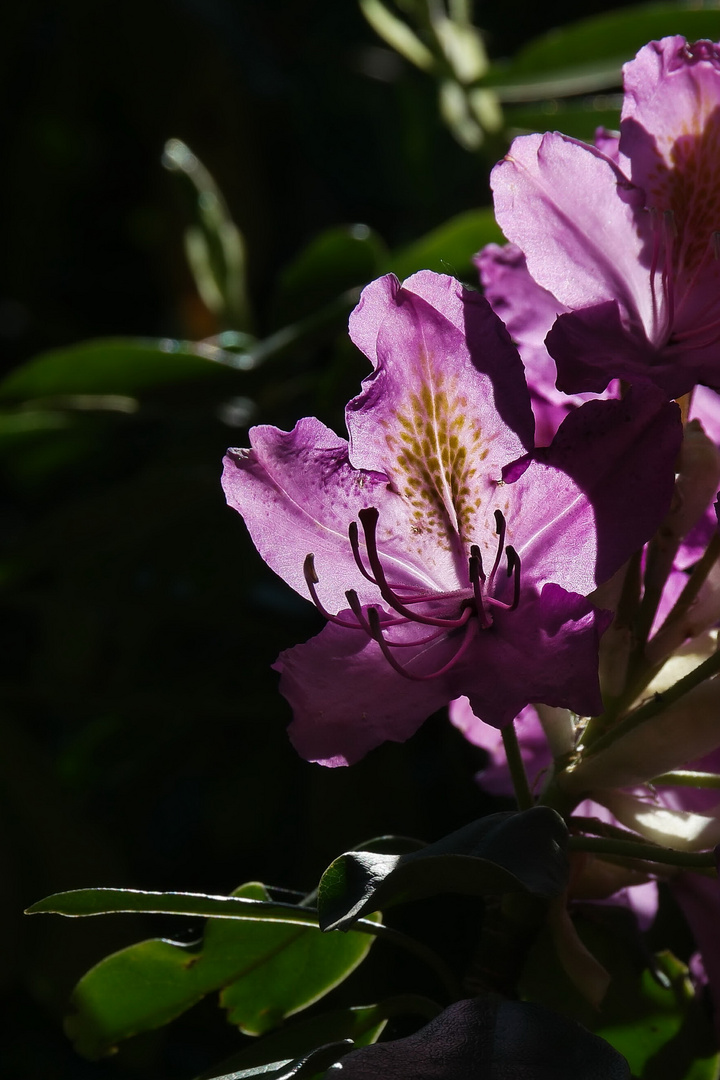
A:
x,y
214,246
588,55
362,1024
449,248
310,1065
579,119
649,1014
333,262
266,972
286,969
112,366
501,853
103,901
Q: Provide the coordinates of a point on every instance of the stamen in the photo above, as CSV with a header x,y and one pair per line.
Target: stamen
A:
x,y
369,519
696,331
513,567
377,635
500,528
477,580
354,537
311,580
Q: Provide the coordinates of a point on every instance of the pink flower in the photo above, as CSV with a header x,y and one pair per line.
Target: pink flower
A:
x,y
625,239
447,556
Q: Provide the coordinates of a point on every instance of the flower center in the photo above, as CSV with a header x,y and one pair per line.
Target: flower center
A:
x,y
410,604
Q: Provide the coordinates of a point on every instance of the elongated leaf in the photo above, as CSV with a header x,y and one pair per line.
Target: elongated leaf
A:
x,y
122,366
502,853
449,248
309,1065
214,246
103,901
267,971
362,1024
588,55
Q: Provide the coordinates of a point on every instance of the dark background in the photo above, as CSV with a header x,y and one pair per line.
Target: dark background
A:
x,y
142,740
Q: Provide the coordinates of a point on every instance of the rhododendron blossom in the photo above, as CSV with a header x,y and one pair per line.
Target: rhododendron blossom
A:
x,y
448,557
624,236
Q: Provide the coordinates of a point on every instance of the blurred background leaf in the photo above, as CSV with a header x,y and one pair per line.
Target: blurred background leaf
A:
x,y
143,736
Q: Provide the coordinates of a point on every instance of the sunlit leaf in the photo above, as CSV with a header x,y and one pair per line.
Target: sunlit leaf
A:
x,y
266,972
502,853
309,1065
286,969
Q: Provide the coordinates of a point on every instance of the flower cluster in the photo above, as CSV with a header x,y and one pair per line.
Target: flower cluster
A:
x,y
568,580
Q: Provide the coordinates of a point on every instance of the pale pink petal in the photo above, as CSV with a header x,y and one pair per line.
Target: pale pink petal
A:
x,y
575,217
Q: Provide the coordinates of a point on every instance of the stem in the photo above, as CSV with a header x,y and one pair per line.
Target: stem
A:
x,y
686,778
690,860
658,703
641,671
694,583
330,317
523,794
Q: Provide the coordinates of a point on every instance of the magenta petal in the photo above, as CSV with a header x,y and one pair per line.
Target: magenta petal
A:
x,y
529,313
592,346
527,310
495,777
547,654
608,143
346,699
369,313
440,416
672,94
443,360
298,494
574,215
611,462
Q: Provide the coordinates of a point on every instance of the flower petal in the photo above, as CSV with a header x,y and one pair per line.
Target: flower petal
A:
x,y
569,500
686,730
677,829
346,699
442,413
298,494
495,777
546,651
575,216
